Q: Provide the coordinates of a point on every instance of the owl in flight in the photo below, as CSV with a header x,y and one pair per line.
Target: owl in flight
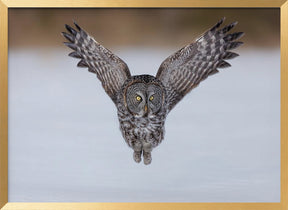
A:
x,y
144,101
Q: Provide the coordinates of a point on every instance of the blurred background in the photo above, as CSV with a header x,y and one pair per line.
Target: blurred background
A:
x,y
222,141
130,27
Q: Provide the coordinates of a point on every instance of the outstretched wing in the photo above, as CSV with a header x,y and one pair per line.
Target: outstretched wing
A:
x,y
109,68
185,69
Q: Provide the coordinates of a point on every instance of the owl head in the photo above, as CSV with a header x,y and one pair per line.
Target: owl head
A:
x,y
143,96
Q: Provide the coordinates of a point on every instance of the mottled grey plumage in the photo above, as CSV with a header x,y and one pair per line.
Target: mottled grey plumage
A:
x,y
143,101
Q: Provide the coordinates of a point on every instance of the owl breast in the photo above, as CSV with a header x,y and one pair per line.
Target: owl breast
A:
x,y
142,130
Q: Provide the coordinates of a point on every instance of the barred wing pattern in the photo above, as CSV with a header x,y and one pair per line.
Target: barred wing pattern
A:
x,y
109,68
185,69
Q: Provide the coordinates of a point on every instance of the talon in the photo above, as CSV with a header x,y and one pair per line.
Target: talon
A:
x,y
137,156
147,157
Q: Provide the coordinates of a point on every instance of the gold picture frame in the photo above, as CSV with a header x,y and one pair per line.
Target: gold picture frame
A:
x,y
6,4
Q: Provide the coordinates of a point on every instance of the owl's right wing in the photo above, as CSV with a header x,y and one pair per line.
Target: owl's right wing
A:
x,y
185,69
110,69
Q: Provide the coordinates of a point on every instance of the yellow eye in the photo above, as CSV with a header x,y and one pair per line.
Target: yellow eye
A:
x,y
151,98
138,98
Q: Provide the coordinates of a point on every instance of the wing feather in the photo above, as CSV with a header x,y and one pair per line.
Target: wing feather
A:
x,y
185,69
110,69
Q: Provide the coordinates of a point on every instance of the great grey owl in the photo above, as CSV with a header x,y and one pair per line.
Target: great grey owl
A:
x,y
144,101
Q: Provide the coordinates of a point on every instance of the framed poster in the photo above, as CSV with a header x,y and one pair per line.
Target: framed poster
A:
x,y
222,145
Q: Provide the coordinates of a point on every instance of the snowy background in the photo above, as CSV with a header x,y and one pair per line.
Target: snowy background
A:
x,y
222,142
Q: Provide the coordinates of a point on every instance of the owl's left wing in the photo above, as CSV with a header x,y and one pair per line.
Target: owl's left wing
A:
x,y
110,69
185,69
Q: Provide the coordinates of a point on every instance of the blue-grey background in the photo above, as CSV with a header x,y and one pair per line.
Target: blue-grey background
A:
x,y
222,142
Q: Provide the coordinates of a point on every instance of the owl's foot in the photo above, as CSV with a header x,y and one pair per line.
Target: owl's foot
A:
x,y
147,149
137,156
147,157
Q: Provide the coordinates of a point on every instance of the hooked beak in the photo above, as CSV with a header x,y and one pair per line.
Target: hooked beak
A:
x,y
145,111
